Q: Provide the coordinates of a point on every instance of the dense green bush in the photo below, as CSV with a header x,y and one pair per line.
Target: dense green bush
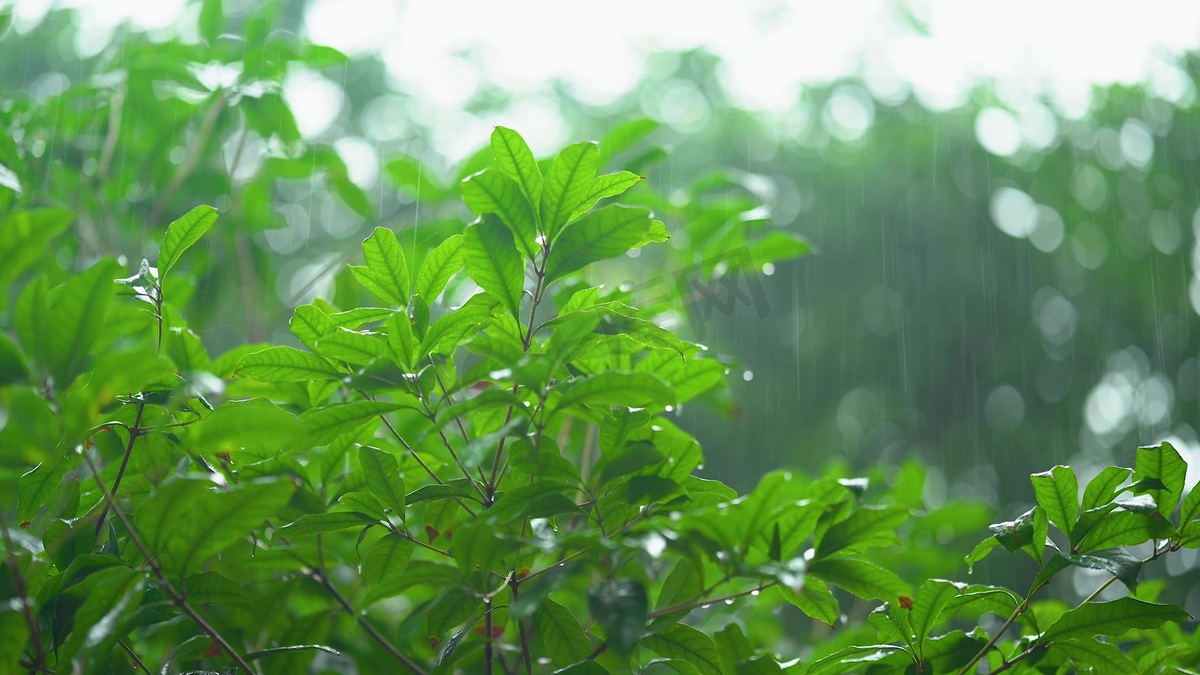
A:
x,y
462,456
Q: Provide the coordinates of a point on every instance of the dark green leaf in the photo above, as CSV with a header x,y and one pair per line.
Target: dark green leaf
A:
x,y
561,633
323,425
1125,528
932,598
387,559
1099,656
687,644
859,577
615,388
867,526
317,523
620,607
607,233
1117,562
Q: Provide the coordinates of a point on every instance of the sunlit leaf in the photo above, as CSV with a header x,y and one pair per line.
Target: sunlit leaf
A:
x,y
182,234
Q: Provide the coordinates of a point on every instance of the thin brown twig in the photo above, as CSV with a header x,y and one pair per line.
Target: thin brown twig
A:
x,y
176,597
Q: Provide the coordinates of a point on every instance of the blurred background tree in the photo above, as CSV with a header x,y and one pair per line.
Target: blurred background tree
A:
x,y
1007,277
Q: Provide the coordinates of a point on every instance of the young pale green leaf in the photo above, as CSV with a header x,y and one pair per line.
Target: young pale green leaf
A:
x,y
932,598
775,246
181,234
77,310
382,472
25,237
285,364
615,388
1162,462
255,424
567,184
1190,507
620,607
443,262
387,558
323,425
602,187
1101,489
494,263
493,192
310,324
867,526
688,378
212,17
625,136
1101,657
386,271
513,157
607,233
356,347
1110,618
560,631
353,318
861,578
687,644
1057,492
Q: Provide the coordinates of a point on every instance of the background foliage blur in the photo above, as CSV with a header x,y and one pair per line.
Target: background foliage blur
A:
x,y
1003,282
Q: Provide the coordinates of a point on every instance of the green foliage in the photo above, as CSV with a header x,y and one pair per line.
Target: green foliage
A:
x,y
477,468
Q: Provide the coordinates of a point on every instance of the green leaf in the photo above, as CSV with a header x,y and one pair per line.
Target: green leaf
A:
x,y
451,609
25,238
1117,562
490,191
620,606
452,329
514,158
189,520
355,347
1057,492
77,310
567,184
14,636
317,523
931,599
602,187
323,425
861,578
1163,463
212,16
386,271
181,234
625,136
1187,511
815,600
561,633
1101,657
255,424
1101,489
387,558
13,368
285,364
867,526
685,643
493,262
439,265
382,473
1125,528
607,233
616,388
1110,618
37,488
684,584
210,587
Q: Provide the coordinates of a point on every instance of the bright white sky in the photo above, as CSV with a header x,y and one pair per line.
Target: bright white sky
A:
x,y
1052,49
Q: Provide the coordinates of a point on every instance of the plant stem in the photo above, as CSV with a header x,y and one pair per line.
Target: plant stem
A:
x,y
207,124
689,606
175,596
23,596
322,577
134,432
133,655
